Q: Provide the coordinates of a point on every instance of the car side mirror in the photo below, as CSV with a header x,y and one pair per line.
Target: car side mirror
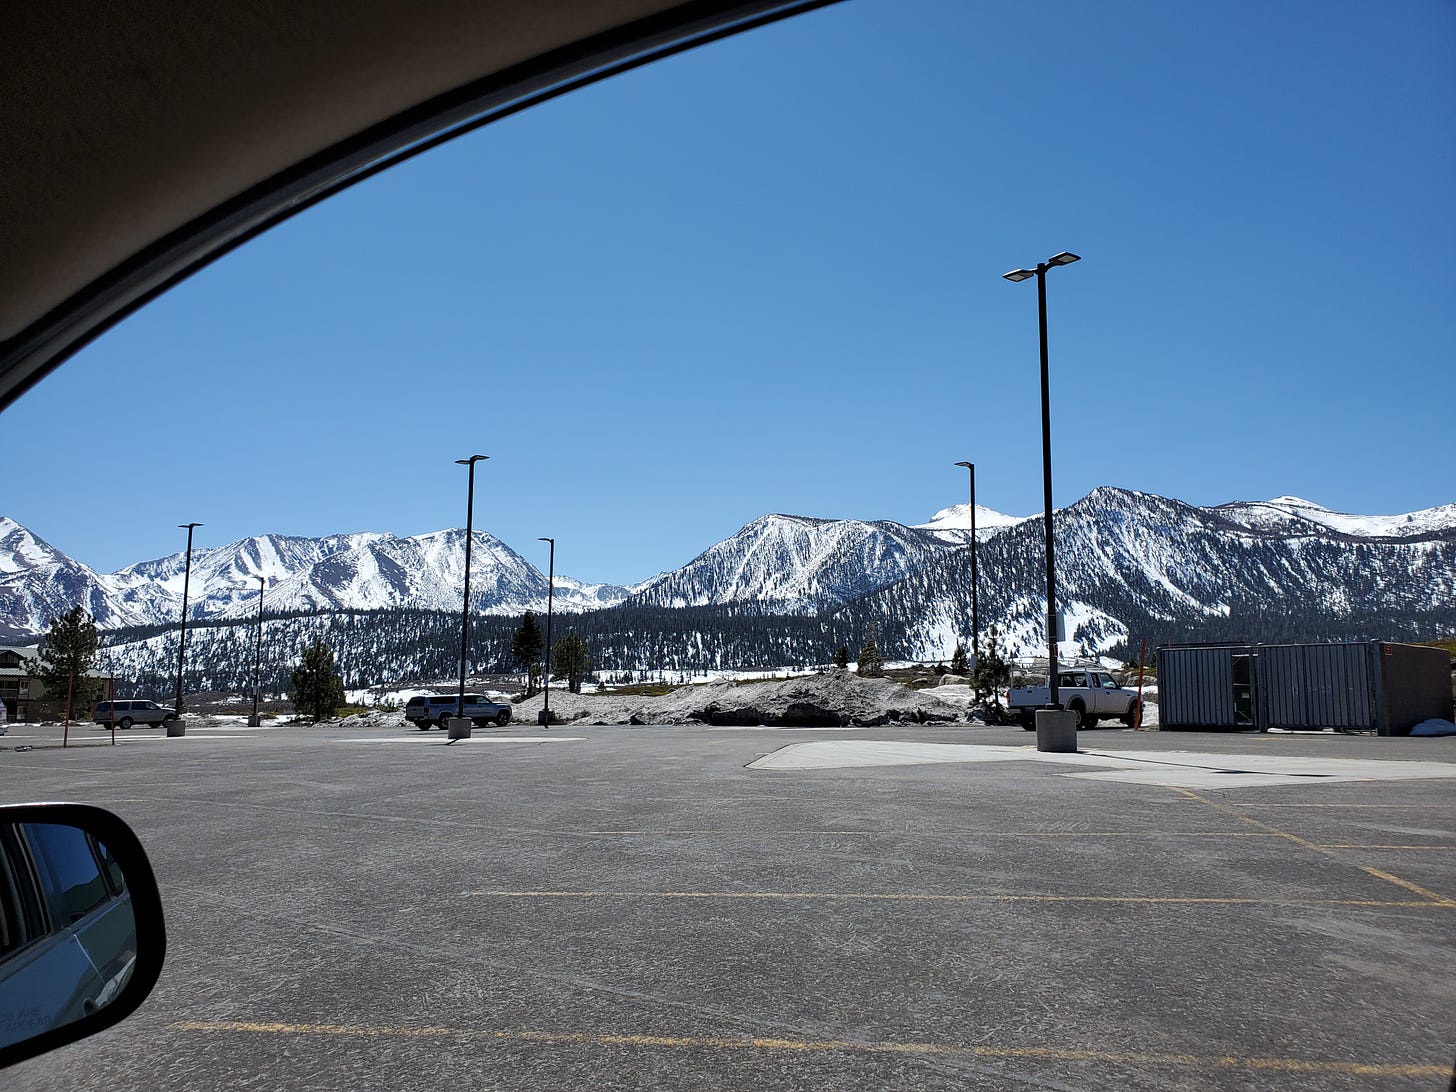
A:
x,y
81,934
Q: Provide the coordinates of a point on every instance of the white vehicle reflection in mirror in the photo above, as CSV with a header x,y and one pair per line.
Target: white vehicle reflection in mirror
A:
x,y
76,954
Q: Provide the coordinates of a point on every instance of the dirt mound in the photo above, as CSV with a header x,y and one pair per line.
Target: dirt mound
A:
x,y
834,699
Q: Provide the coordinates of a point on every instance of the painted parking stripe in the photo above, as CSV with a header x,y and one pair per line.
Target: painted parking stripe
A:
x,y
838,1046
896,896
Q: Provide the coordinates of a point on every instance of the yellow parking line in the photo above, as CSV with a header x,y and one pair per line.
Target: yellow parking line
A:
x,y
1365,845
693,1042
1400,807
924,833
864,896
1436,898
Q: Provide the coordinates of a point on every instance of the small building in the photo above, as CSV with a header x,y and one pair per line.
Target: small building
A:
x,y
24,695
1366,686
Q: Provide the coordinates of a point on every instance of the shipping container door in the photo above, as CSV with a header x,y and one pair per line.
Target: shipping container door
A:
x,y
1196,688
1316,686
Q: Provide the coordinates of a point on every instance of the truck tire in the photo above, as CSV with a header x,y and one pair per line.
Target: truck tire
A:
x,y
444,721
124,722
422,725
1028,724
1081,711
1130,717
503,718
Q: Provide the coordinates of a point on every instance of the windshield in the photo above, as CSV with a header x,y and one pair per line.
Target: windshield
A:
x,y
663,412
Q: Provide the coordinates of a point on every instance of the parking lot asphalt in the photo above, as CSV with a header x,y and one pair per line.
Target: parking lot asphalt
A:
x,y
625,908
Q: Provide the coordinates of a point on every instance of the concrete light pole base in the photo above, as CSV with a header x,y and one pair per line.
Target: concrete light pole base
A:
x,y
546,718
1056,730
255,722
175,727
458,727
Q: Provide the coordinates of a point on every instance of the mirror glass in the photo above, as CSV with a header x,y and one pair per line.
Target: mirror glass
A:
x,y
67,930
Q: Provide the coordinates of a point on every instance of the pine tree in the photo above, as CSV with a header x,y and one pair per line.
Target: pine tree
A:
x,y
317,689
65,659
958,665
992,671
841,657
871,663
571,661
526,648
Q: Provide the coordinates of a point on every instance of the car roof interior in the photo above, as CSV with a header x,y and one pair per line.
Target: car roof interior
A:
x,y
144,139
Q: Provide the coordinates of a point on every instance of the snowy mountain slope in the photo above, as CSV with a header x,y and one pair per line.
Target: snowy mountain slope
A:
x,y
1127,563
361,571
953,524
38,583
425,571
1132,564
223,577
795,561
1291,516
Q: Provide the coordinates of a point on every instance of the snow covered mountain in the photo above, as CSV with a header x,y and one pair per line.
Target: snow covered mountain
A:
x,y
1128,564
1293,516
362,571
224,578
427,572
953,524
797,563
1132,564
38,582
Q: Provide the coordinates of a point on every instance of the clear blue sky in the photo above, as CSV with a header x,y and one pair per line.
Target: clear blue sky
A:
x,y
766,276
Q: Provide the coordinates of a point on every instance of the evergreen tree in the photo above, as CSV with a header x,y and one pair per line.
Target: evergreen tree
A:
x,y
871,663
992,671
65,659
841,656
526,648
958,665
571,661
317,689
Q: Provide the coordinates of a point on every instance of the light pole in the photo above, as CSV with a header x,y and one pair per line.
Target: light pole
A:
x,y
465,611
1040,272
182,643
550,596
975,621
258,652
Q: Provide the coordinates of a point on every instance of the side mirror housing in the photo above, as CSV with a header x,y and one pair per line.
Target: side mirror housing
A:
x,y
82,940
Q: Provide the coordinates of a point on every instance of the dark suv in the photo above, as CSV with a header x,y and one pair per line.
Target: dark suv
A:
x,y
425,710
128,713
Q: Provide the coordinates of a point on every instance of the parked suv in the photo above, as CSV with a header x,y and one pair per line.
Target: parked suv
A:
x,y
132,712
435,709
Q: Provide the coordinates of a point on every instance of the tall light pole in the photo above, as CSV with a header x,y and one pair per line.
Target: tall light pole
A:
x,y
1040,272
975,621
182,643
550,595
465,611
258,650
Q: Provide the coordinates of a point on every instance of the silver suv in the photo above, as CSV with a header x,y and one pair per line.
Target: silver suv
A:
x,y
435,709
132,712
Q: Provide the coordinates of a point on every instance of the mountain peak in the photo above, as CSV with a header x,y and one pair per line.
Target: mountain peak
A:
x,y
1299,502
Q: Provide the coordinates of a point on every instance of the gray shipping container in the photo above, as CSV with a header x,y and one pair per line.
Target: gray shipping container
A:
x,y
1371,686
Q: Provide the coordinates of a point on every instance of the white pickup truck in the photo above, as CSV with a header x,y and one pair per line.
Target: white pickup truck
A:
x,y
1092,695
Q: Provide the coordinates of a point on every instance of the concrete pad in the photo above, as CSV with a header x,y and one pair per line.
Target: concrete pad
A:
x,y
1187,769
423,740
845,754
780,728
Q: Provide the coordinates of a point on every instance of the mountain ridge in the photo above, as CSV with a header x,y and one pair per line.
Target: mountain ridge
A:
x,y
1124,558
